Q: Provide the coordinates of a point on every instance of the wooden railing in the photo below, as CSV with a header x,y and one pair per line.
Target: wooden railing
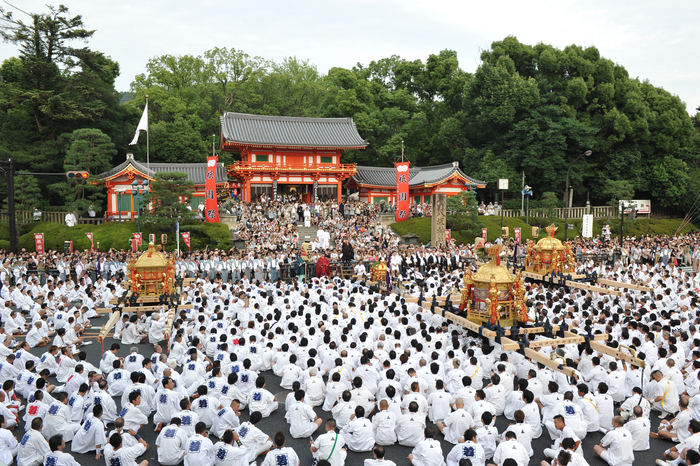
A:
x,y
242,167
27,216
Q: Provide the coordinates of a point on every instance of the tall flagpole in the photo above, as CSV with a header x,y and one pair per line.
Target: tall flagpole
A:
x,y
148,130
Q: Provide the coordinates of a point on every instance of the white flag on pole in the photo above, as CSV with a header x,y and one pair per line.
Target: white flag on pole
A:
x,y
143,125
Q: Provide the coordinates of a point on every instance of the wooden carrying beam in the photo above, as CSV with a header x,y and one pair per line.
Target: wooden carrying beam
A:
x,y
617,354
552,364
539,276
140,299
455,298
573,284
106,328
107,310
630,286
506,343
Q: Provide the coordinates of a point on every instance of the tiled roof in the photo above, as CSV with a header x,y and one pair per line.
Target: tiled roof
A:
x,y
196,172
262,130
418,176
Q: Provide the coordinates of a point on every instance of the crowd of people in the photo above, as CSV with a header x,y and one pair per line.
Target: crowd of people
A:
x,y
381,368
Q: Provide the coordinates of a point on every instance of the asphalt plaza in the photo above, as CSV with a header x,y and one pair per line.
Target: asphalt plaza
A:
x,y
276,422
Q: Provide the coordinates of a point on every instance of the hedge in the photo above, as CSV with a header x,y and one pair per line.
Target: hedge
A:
x,y
639,227
116,235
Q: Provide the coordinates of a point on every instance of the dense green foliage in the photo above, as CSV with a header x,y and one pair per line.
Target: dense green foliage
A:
x,y
528,109
168,197
641,226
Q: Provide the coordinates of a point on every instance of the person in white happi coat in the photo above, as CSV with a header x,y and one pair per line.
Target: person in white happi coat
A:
x,y
469,449
58,419
616,448
511,448
428,452
281,454
227,418
358,433
666,399
33,447
384,425
57,457
168,403
226,454
410,426
261,399
116,452
330,446
171,443
302,418
108,358
199,450
48,361
9,446
255,441
133,417
156,329
91,435
314,388
454,426
640,428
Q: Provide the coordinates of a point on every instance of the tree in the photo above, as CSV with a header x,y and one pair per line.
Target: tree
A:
x,y
58,84
619,190
168,199
52,88
90,150
464,214
548,205
28,193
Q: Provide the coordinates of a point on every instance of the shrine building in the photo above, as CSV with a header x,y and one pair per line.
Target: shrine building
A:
x,y
289,155
119,183
377,184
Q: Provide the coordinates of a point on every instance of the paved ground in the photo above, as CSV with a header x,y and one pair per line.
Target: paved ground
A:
x,y
276,422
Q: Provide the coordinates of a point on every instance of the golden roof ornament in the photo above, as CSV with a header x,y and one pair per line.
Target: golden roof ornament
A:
x,y
152,273
549,255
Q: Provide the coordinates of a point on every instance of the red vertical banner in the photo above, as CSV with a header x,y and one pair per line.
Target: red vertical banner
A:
x,y
138,237
484,234
39,242
448,235
516,233
211,208
402,178
91,237
186,239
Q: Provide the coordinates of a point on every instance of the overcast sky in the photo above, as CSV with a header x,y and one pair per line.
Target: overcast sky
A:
x,y
653,40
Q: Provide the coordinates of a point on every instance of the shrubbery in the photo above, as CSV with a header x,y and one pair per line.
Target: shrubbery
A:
x,y
116,235
640,227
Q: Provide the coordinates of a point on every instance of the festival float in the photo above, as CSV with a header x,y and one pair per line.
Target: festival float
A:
x,y
549,255
493,294
152,273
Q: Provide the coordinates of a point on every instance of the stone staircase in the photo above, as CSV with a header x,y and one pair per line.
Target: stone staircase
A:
x,y
306,234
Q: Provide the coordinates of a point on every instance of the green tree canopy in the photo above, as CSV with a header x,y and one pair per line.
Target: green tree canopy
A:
x,y
90,150
168,199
